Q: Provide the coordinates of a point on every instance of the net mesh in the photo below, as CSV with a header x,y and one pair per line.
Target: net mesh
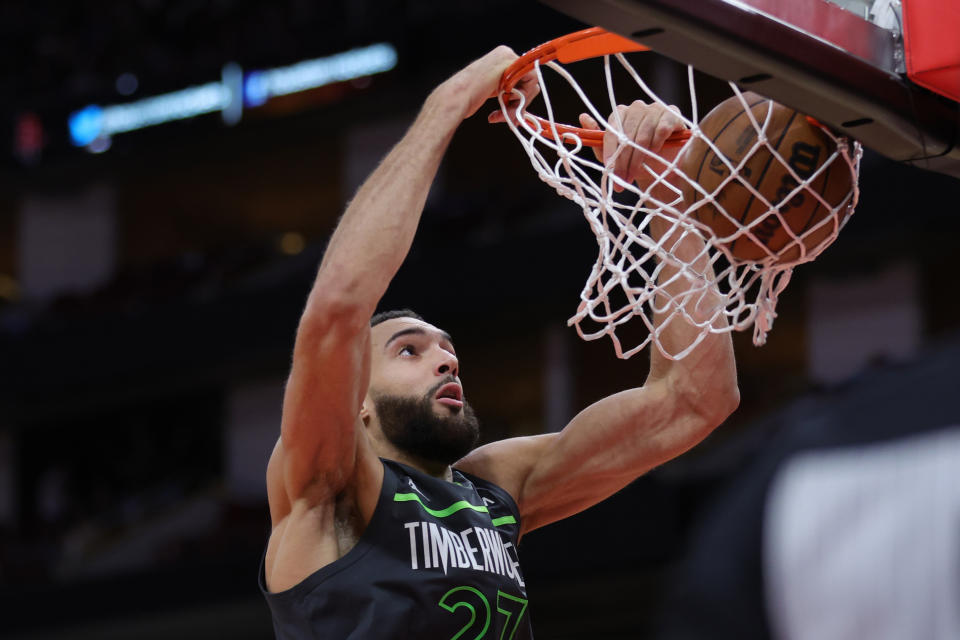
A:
x,y
640,273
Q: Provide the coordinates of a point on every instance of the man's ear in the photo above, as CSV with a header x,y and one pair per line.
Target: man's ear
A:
x,y
365,413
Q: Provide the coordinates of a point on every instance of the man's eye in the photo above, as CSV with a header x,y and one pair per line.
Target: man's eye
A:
x,y
408,349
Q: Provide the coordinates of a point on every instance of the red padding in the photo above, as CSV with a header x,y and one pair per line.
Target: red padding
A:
x,y
931,43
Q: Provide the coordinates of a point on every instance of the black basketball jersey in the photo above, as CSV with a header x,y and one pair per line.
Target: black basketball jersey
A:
x,y
437,561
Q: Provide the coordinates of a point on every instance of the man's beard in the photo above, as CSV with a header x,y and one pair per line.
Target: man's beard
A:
x,y
412,425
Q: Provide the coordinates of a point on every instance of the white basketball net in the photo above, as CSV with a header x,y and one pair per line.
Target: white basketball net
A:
x,y
638,276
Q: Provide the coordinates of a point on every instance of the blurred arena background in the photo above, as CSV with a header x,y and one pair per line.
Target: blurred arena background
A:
x,y
151,281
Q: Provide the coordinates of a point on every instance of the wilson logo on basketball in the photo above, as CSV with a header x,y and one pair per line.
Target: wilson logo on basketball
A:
x,y
803,160
779,204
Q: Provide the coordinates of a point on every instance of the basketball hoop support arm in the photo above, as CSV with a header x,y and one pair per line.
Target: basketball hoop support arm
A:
x,y
744,43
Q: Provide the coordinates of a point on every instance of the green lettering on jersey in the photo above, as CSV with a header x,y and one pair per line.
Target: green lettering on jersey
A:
x,y
463,598
440,513
513,608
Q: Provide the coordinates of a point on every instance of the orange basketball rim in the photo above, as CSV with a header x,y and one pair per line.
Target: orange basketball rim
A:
x,y
574,47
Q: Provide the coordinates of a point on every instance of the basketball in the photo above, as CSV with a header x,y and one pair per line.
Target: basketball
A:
x,y
748,229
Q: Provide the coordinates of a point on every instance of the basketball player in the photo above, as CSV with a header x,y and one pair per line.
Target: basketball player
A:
x,y
387,523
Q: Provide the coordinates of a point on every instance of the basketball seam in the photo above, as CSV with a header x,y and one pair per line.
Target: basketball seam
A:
x,y
823,192
720,133
763,174
708,151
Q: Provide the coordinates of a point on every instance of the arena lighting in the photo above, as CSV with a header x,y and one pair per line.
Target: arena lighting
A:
x,y
94,125
260,86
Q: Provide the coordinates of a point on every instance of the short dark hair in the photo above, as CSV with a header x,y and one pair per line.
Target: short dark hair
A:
x,y
395,313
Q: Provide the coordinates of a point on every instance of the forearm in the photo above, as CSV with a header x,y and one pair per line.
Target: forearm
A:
x,y
365,251
377,229
691,302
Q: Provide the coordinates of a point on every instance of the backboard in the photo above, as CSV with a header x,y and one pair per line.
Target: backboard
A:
x,y
841,62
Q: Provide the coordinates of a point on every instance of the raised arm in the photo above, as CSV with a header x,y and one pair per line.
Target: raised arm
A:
x,y
620,437
317,452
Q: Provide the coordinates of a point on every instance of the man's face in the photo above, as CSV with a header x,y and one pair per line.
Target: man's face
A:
x,y
416,392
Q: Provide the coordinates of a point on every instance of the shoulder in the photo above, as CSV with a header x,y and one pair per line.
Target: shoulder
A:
x,y
507,463
361,485
309,534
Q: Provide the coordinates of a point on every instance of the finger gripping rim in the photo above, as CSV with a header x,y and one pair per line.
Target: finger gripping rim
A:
x,y
580,45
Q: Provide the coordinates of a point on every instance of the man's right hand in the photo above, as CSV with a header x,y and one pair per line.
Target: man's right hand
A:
x,y
479,81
